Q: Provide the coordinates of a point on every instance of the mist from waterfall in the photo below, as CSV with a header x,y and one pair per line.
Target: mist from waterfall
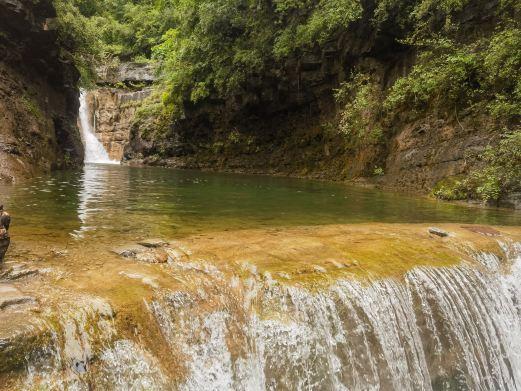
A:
x,y
94,150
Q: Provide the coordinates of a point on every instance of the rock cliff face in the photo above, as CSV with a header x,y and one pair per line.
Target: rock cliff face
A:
x,y
114,103
426,151
38,93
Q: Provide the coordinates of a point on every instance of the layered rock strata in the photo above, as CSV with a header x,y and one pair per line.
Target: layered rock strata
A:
x,y
114,103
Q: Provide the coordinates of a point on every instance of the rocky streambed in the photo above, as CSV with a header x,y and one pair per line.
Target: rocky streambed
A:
x,y
388,306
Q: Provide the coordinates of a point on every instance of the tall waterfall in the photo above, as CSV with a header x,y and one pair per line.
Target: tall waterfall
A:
x,y
94,150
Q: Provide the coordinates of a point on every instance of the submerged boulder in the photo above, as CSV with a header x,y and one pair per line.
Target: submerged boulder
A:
x,y
12,296
153,243
17,272
139,252
130,251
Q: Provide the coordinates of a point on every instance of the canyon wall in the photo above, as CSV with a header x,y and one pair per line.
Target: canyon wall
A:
x,y
284,127
38,93
285,120
119,93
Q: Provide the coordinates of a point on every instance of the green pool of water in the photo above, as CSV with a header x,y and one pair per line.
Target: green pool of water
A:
x,y
105,200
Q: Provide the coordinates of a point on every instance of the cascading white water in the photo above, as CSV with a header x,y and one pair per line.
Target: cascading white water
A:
x,y
454,328
94,150
447,328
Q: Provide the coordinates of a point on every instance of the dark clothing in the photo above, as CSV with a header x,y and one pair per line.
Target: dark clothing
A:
x,y
4,245
5,220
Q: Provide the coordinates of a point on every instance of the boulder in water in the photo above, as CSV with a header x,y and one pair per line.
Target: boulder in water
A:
x,y
17,272
129,251
153,256
12,296
438,232
153,243
142,253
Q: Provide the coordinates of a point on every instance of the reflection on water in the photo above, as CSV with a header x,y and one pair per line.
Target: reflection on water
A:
x,y
103,200
93,189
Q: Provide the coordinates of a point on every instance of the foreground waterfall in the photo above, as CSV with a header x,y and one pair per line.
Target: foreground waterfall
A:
x,y
437,328
440,329
94,150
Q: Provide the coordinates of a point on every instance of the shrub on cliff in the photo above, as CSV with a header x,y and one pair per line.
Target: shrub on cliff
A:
x,y
500,175
217,45
445,76
77,38
502,172
305,23
502,69
214,47
95,31
483,74
360,101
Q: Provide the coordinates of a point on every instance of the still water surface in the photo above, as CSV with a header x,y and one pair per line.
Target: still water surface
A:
x,y
105,200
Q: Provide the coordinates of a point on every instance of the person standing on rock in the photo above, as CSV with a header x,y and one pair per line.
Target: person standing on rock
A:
x,y
5,240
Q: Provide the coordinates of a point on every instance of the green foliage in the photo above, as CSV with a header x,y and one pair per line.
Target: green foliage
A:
x,y
445,76
502,69
361,101
500,174
130,29
454,77
378,171
77,37
450,189
94,31
234,136
503,168
153,118
32,107
214,48
312,22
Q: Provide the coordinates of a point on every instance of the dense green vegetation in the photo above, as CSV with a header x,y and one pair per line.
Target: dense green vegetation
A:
x,y
214,48
500,175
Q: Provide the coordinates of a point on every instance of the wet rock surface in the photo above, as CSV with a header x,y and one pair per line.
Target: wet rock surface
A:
x,y
127,72
482,229
10,296
113,105
129,251
225,299
18,271
147,251
38,93
153,243
438,232
20,338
